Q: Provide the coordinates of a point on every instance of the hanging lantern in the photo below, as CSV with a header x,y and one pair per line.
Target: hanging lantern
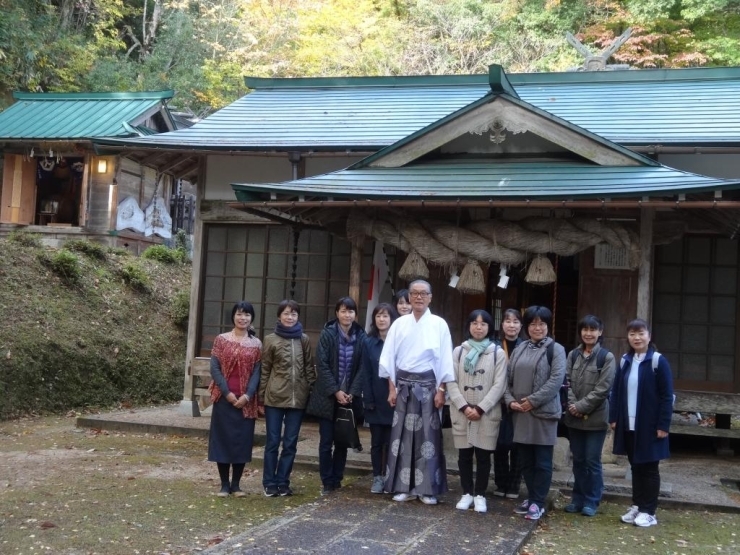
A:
x,y
540,271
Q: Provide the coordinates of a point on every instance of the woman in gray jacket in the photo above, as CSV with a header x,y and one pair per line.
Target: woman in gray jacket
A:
x,y
536,372
590,370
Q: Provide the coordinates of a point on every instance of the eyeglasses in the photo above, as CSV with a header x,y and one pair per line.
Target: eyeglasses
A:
x,y
419,294
538,325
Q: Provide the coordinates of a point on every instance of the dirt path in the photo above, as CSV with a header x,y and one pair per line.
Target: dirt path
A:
x,y
65,490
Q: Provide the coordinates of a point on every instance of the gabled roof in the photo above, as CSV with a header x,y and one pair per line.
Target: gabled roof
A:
x,y
637,107
485,180
509,113
60,116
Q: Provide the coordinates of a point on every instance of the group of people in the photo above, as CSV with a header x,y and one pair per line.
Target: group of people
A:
x,y
505,391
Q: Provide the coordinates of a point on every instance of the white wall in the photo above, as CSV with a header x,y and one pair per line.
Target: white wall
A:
x,y
223,170
725,166
317,166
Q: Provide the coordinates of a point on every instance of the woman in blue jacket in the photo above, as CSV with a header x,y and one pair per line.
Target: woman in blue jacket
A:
x,y
378,412
640,412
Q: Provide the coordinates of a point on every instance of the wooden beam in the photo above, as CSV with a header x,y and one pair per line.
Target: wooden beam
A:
x,y
355,269
645,270
189,404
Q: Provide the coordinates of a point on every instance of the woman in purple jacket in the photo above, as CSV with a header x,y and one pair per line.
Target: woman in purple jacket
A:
x,y
640,412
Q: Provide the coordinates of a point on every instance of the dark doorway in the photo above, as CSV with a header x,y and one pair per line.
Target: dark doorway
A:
x,y
59,186
561,297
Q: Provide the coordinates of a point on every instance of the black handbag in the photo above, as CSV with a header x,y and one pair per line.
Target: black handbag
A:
x,y
345,429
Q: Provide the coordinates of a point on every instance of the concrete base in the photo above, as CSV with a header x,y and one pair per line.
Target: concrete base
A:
x,y
561,455
188,408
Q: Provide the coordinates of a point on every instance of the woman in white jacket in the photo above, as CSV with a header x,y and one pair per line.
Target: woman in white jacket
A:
x,y
480,368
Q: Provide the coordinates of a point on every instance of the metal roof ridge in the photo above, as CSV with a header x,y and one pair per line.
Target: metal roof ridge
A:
x,y
563,77
139,95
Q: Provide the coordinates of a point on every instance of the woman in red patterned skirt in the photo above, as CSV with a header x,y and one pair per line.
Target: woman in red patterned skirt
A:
x,y
235,369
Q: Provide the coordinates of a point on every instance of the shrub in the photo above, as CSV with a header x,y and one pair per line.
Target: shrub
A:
x,y
183,243
88,248
180,308
118,251
25,238
135,276
65,264
163,254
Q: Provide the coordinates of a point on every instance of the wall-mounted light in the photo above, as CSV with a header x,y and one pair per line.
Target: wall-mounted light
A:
x,y
102,165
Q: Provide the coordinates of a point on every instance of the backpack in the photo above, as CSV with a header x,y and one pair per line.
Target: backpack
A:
x,y
600,361
656,360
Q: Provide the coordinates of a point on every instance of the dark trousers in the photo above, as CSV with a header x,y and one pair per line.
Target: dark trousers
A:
x,y
588,485
276,471
380,442
536,461
645,479
332,459
507,472
482,469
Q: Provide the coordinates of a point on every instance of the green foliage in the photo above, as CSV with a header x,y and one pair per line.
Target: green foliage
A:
x,y
202,49
24,238
180,308
182,241
65,264
88,248
164,254
118,251
136,277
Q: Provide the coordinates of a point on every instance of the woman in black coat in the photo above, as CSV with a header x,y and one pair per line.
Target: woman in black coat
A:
x,y
338,382
378,413
506,470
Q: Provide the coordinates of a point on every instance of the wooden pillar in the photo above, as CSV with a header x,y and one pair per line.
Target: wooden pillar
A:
x,y
355,269
645,270
189,405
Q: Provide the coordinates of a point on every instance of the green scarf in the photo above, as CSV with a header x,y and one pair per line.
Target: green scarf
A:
x,y
476,348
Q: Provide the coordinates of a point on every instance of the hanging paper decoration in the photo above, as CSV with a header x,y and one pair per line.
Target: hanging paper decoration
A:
x,y
129,215
157,220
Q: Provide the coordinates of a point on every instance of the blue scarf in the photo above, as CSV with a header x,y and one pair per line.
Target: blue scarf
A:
x,y
476,348
293,332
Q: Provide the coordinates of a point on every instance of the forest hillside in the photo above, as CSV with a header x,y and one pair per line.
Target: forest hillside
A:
x,y
203,48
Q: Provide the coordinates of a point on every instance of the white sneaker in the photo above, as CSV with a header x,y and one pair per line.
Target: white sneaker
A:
x,y
428,499
466,501
644,520
480,504
404,497
629,516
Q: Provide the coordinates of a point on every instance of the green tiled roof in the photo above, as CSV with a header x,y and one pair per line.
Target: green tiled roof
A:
x,y
52,116
488,180
695,106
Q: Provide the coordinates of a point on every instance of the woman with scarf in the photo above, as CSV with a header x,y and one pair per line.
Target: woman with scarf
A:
x,y
338,382
480,370
535,374
235,369
287,376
